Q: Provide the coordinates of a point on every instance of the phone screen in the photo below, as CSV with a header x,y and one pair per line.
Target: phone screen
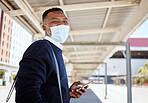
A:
x,y
85,85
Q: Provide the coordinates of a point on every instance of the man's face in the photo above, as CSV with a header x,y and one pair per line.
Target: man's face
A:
x,y
54,18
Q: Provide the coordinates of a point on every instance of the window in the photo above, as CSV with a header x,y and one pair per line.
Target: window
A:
x,y
4,26
3,43
2,51
8,37
3,34
6,53
9,29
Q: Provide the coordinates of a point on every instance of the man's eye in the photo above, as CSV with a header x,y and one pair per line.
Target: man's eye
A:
x,y
55,22
65,21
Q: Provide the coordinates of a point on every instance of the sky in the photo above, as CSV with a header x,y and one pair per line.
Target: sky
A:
x,y
142,31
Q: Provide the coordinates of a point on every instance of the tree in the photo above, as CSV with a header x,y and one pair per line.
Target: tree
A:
x,y
143,70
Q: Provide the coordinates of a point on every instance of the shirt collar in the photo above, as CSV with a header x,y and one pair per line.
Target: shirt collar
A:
x,y
59,45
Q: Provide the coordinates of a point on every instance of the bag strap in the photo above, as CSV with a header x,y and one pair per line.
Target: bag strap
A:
x,y
11,90
58,75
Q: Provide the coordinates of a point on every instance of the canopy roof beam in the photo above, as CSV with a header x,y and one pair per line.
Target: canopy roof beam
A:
x,y
93,31
29,12
19,18
84,6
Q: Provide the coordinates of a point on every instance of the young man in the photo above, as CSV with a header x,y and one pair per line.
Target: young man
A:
x,y
37,78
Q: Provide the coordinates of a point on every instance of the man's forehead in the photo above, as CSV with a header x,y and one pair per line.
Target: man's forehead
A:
x,y
56,14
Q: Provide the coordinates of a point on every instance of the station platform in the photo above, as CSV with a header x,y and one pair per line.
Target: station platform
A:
x,y
95,94
88,97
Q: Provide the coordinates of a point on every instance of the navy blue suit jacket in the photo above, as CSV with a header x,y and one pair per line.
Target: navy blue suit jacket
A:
x,y
37,79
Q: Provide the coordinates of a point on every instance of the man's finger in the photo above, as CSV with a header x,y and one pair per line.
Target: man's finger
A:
x,y
72,95
78,91
86,87
83,90
77,83
77,94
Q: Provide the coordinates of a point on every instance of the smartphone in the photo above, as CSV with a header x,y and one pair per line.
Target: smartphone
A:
x,y
85,85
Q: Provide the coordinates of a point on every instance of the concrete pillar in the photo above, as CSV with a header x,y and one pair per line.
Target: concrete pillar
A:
x,y
74,75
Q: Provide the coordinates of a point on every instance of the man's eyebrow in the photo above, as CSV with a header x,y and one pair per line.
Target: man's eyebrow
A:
x,y
57,18
66,18
54,18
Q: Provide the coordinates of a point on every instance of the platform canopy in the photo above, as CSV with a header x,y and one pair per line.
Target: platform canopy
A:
x,y
96,21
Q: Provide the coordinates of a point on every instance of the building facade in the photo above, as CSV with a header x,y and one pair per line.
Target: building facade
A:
x,y
14,40
21,39
5,37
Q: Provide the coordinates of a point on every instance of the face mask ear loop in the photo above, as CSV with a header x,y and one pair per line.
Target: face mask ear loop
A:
x,y
48,28
48,33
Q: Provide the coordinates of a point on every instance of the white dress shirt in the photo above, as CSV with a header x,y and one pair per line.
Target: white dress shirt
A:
x,y
59,45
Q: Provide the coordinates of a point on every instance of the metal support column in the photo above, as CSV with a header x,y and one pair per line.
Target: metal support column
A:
x,y
105,80
128,71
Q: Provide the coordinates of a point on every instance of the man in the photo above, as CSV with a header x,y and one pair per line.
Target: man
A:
x,y
37,78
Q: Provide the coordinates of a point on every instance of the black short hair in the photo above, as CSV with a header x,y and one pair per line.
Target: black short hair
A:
x,y
50,10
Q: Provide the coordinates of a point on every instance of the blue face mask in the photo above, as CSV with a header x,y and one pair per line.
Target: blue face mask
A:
x,y
59,33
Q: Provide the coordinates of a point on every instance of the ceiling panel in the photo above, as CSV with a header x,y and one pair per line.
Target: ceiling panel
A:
x,y
81,1
86,19
119,16
86,38
108,37
40,3
13,4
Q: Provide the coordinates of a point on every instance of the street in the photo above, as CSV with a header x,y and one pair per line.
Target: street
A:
x,y
115,94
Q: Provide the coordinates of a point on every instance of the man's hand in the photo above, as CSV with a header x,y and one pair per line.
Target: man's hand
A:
x,y
74,90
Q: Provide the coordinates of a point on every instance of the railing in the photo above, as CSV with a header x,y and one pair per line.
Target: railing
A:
x,y
137,80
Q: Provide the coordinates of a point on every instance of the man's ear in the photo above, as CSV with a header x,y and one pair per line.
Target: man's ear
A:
x,y
44,27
